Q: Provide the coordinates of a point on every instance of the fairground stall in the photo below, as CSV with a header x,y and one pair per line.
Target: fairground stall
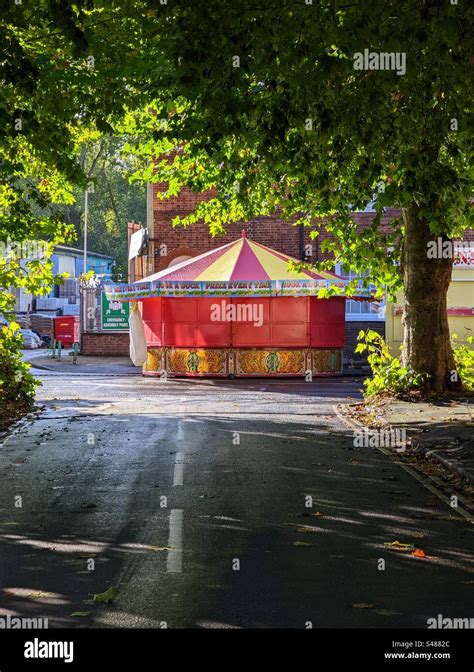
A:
x,y
238,310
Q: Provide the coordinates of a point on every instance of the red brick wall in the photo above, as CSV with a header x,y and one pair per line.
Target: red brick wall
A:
x,y
271,231
107,344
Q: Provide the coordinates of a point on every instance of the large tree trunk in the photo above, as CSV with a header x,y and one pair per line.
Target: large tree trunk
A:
x,y
426,339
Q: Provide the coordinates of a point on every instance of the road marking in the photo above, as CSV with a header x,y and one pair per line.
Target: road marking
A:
x,y
180,434
174,562
178,469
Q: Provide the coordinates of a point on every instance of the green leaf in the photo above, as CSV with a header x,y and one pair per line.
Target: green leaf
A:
x,y
106,596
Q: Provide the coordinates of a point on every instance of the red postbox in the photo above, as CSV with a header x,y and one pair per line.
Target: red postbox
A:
x,y
66,329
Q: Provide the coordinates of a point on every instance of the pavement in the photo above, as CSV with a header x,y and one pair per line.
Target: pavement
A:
x,y
441,429
107,366
41,359
218,504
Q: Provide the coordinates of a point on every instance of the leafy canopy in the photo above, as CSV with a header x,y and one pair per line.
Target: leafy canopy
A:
x,y
269,112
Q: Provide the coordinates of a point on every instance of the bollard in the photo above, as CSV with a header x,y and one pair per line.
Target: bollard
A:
x,y
53,348
74,352
59,349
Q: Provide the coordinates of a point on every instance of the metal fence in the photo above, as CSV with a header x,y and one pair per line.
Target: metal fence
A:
x,y
91,308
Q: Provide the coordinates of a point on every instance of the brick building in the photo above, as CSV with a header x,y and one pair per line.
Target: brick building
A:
x,y
168,246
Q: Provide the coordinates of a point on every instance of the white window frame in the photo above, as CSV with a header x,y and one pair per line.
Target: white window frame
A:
x,y
360,317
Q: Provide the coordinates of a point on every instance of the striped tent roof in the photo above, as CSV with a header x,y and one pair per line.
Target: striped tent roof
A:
x,y
241,260
240,268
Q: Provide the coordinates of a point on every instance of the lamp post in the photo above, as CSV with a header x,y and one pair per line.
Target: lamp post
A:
x,y
86,213
82,287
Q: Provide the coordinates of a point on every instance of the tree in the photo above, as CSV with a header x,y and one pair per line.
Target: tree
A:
x,y
311,107
48,94
60,89
113,202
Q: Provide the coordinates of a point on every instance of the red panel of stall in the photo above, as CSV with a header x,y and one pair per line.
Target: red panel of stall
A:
x,y
250,326
179,334
151,314
213,335
212,327
180,310
211,310
327,335
179,317
289,335
289,322
289,310
331,310
327,328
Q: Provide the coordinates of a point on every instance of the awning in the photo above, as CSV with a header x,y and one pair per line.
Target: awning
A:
x,y
240,268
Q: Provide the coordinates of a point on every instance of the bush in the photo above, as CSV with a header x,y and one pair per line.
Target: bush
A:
x,y
388,375
464,360
17,385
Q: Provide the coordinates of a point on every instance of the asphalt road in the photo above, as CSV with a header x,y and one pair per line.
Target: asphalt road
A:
x,y
233,504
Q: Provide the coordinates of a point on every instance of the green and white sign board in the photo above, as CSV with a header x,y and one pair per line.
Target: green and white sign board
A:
x,y
114,314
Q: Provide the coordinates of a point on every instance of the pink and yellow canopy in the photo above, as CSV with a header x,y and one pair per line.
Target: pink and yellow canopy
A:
x,y
241,260
242,267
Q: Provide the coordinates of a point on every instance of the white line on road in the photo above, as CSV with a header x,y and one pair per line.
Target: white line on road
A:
x,y
180,434
178,469
174,562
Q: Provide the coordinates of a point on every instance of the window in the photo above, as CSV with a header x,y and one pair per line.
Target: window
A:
x,y
361,310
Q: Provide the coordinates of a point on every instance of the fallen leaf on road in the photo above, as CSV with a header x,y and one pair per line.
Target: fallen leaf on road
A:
x,y
317,514
301,543
106,596
419,553
397,546
363,605
307,529
35,595
81,613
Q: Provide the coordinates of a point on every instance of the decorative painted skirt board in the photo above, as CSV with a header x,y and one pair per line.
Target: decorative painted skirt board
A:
x,y
242,362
